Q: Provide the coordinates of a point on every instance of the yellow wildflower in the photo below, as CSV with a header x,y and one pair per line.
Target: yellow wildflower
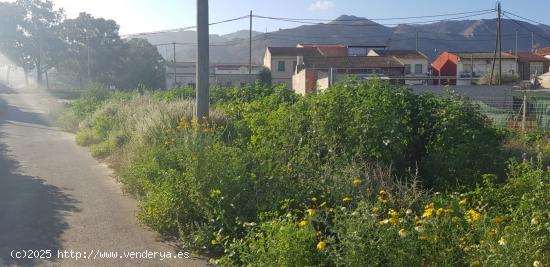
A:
x,y
303,223
382,200
455,219
375,210
537,264
472,216
321,245
534,221
403,233
314,199
439,211
331,210
493,232
311,212
393,213
502,241
385,221
462,202
382,192
357,181
428,212
346,200
393,220
499,219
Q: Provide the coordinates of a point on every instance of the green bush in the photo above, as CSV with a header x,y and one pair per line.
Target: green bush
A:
x,y
242,184
278,242
87,137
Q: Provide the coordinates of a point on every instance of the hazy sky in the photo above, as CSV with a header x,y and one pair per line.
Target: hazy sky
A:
x,y
150,15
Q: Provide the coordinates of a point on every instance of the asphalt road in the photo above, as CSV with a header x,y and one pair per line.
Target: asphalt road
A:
x,y
55,196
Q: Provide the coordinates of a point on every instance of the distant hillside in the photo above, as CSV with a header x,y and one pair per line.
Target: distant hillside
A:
x,y
465,35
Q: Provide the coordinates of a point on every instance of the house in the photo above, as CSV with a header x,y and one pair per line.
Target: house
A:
x,y
531,65
281,61
318,73
229,75
363,50
185,74
415,63
465,67
544,51
225,75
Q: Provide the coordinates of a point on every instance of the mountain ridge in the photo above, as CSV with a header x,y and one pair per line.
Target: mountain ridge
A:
x,y
434,38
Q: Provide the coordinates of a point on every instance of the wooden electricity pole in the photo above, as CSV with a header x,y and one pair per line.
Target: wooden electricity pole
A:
x,y
203,61
499,45
250,81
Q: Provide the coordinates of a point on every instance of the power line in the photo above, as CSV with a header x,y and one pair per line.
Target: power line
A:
x,y
401,18
527,28
372,25
184,28
530,20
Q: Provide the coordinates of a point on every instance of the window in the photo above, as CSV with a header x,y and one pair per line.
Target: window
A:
x,y
407,68
418,69
281,66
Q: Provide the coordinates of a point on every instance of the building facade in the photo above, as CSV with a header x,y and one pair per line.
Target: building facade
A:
x,y
318,73
465,68
415,63
225,75
531,65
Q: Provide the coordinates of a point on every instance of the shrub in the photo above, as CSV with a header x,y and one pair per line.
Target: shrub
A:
x,y
279,242
87,137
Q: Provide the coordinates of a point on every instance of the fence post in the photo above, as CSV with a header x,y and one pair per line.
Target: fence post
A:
x,y
524,111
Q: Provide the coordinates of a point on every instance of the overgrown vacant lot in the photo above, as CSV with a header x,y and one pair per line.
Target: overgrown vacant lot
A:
x,y
364,173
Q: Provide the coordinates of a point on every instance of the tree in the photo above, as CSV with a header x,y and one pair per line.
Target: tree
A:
x,y
39,45
265,76
143,66
12,17
94,49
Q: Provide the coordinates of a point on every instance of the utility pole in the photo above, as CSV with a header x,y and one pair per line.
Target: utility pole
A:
x,y
203,61
516,54
532,42
516,42
496,47
175,66
250,52
417,41
472,70
499,45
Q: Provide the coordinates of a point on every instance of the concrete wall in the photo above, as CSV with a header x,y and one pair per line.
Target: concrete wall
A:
x,y
305,82
545,80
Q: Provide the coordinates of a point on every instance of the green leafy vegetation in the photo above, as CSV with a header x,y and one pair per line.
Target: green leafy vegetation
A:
x,y
364,172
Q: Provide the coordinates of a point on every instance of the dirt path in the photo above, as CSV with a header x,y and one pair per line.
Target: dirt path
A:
x,y
55,196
